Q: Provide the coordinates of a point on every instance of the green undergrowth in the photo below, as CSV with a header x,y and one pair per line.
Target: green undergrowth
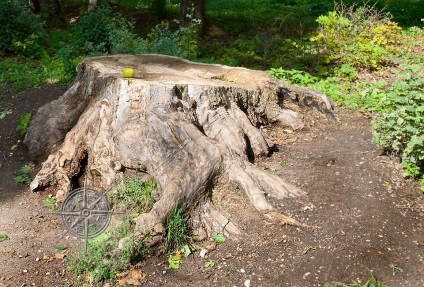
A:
x,y
115,250
133,194
388,83
104,259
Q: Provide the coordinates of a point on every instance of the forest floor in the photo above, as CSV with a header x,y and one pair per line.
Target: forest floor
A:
x,y
363,216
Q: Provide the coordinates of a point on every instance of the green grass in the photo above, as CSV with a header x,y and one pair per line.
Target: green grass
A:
x,y
372,282
104,259
177,232
134,194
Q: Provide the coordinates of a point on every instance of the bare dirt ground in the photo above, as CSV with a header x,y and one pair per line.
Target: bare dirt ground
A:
x,y
365,216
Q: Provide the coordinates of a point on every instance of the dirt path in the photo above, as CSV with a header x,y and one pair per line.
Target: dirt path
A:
x,y
364,216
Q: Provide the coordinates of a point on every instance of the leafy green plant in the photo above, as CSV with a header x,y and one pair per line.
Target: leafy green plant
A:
x,y
23,124
219,238
177,234
175,261
283,163
50,203
23,175
399,129
210,264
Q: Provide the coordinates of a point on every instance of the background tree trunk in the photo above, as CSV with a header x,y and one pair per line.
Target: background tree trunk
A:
x,y
191,126
194,9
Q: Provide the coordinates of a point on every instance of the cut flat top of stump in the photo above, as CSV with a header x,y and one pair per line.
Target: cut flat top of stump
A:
x,y
172,70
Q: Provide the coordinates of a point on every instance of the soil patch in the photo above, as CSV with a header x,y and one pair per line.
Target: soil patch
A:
x,y
362,214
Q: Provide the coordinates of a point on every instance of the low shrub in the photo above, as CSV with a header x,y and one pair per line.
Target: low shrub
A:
x,y
362,37
400,128
21,31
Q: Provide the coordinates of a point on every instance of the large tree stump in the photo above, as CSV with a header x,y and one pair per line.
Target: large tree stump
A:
x,y
189,125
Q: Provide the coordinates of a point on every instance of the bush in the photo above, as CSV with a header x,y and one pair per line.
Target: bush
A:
x,y
361,37
93,33
21,32
400,128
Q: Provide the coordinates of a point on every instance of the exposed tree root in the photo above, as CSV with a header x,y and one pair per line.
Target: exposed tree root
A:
x,y
188,125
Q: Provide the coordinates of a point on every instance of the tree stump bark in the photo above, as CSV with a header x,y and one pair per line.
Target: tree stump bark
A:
x,y
189,125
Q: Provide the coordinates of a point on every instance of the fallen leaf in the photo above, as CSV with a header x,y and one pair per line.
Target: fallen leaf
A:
x,y
60,255
47,258
133,277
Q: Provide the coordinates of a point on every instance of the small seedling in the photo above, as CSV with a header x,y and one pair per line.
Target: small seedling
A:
x,y
175,261
4,113
14,147
219,238
309,248
273,169
231,271
209,264
283,163
50,203
23,175
395,269
4,237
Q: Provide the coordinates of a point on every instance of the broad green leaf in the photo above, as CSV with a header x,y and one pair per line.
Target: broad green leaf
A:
x,y
219,238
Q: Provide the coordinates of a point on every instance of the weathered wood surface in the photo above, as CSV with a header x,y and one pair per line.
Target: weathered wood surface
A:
x,y
189,125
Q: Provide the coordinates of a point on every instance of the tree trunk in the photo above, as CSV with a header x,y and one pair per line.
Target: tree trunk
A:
x,y
191,126
194,9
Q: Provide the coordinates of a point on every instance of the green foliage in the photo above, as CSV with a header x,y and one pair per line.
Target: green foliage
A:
x,y
362,37
293,76
23,124
177,234
134,194
21,31
219,238
210,264
175,261
23,175
94,33
182,43
24,73
399,129
50,203
103,259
